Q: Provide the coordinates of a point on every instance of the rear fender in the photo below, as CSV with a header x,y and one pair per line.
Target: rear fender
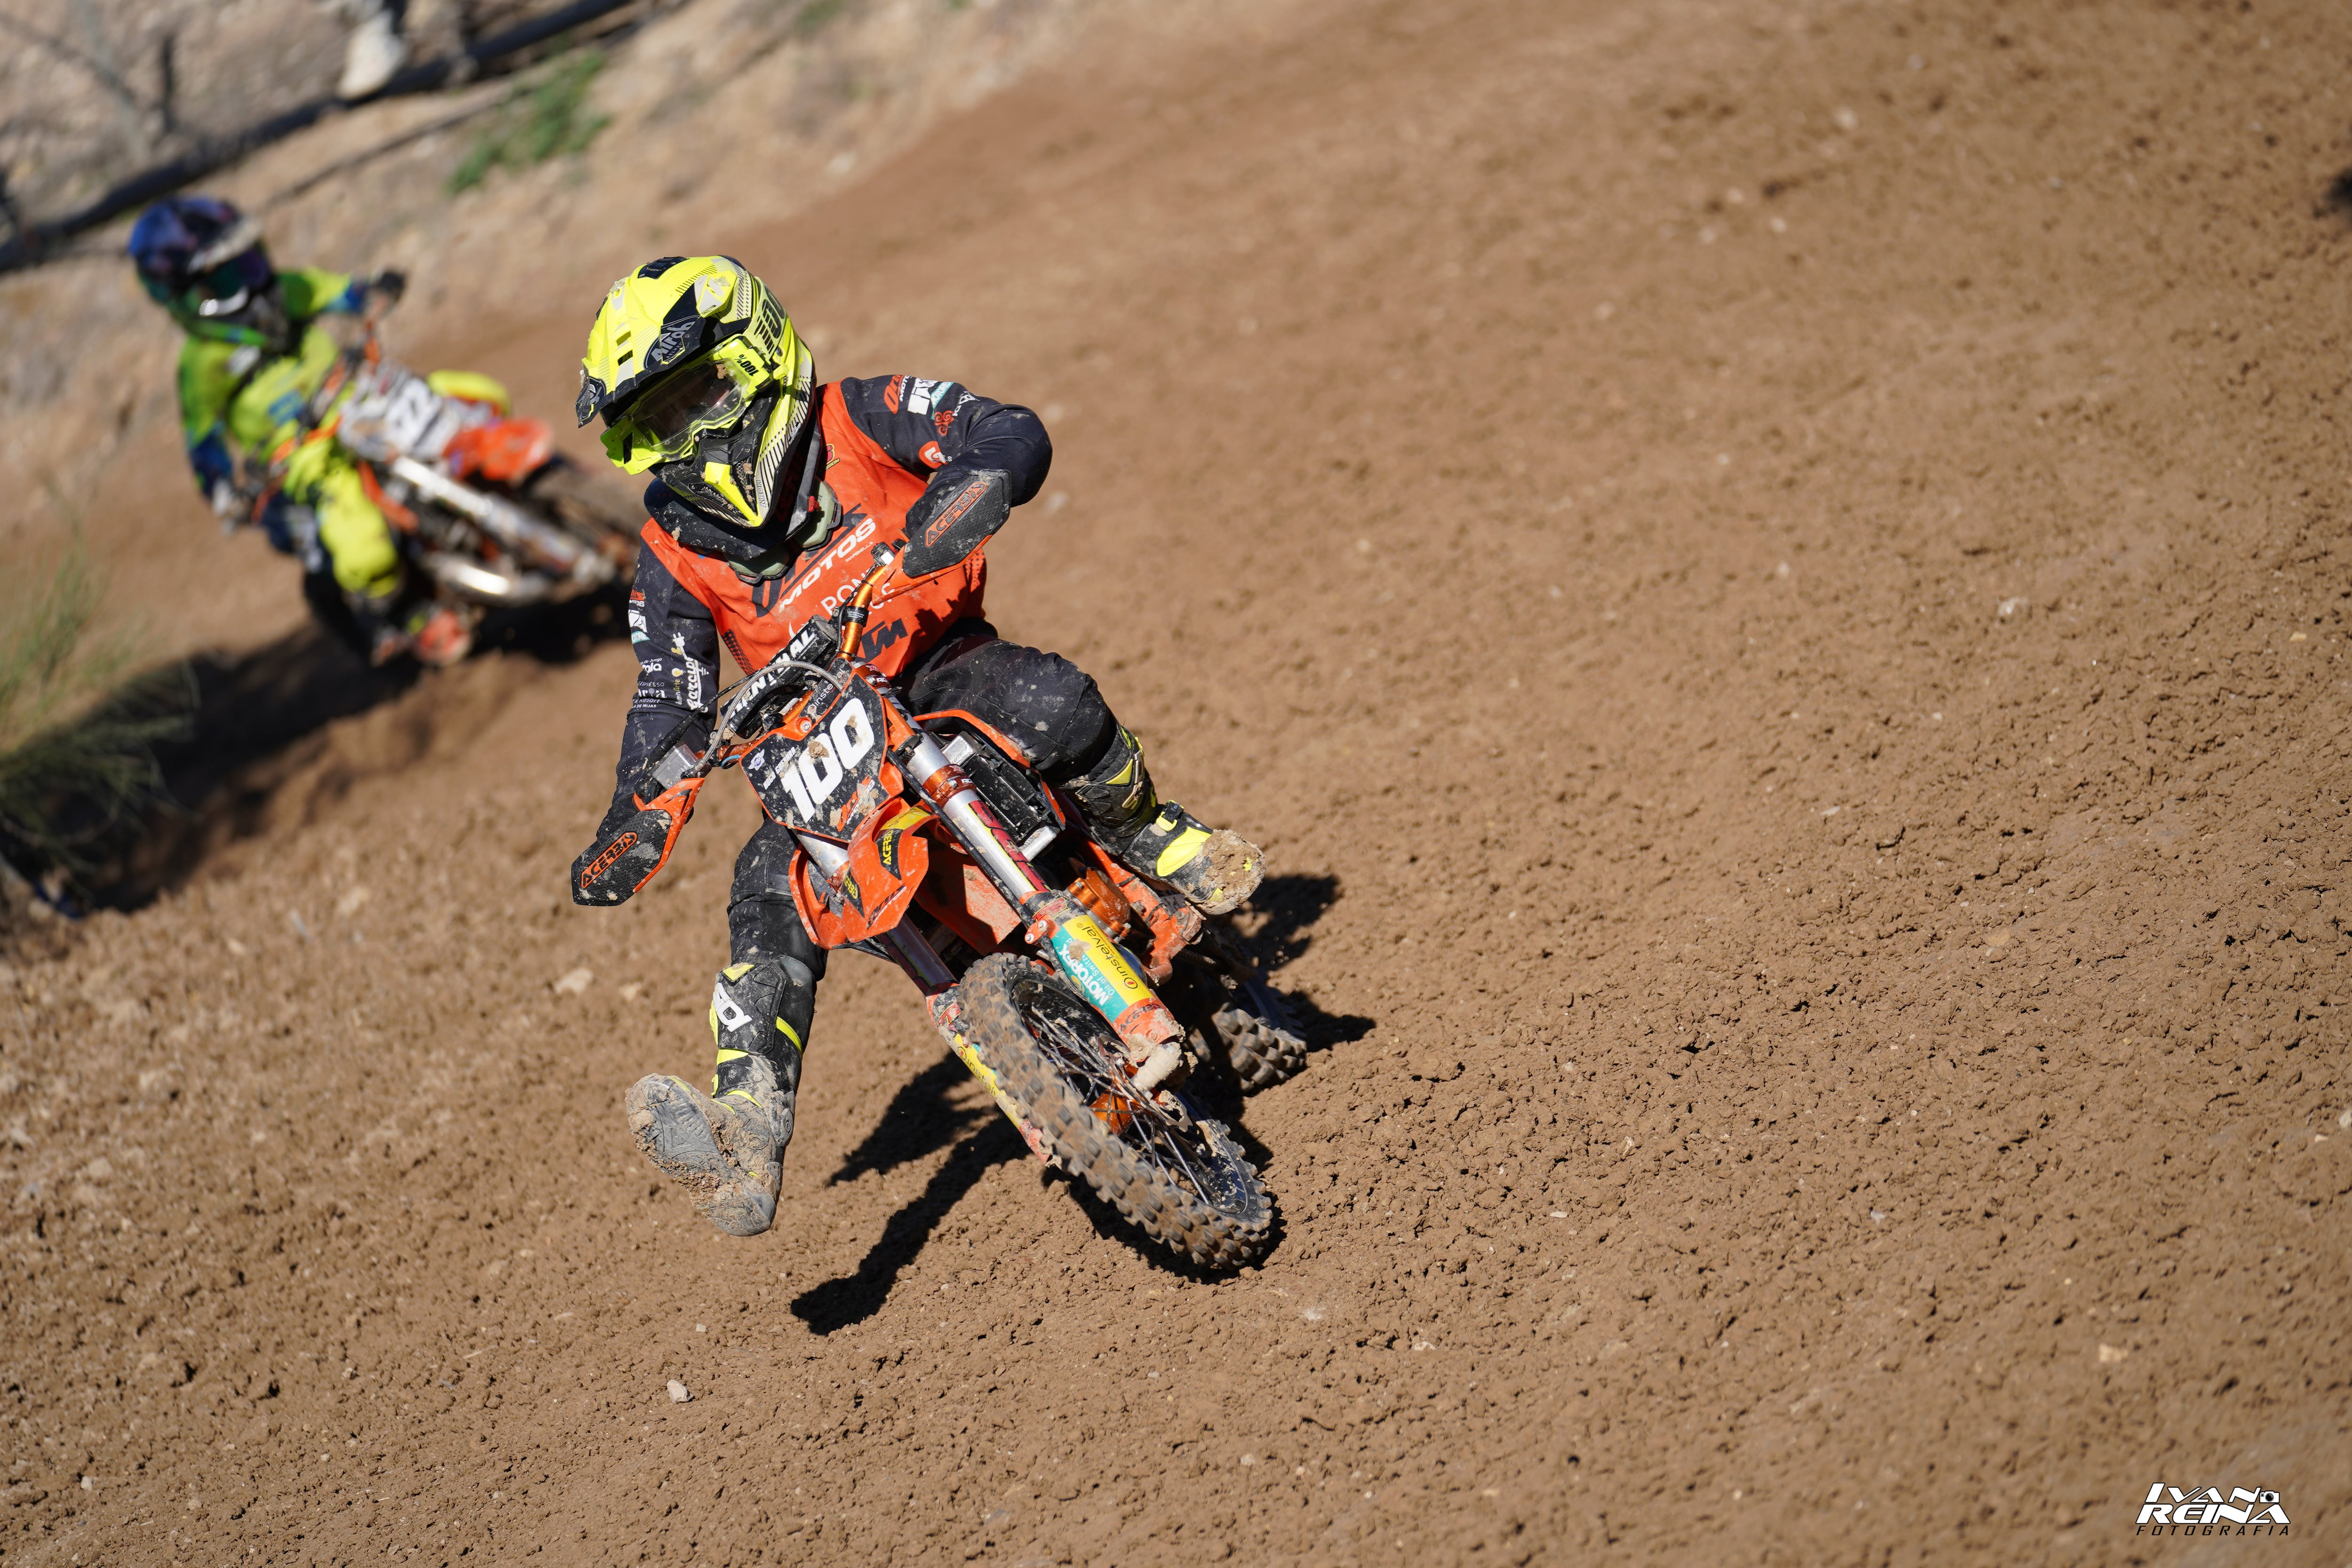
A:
x,y
473,386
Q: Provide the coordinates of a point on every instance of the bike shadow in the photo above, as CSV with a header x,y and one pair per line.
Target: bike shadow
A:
x,y
1287,908
922,1119
846,1302
850,1299
249,714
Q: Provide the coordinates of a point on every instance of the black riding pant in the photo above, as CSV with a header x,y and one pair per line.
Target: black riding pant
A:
x,y
1039,699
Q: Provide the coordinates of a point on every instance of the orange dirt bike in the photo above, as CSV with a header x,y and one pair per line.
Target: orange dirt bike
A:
x,y
924,839
481,504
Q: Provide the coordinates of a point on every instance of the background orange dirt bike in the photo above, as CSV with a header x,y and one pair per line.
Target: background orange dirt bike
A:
x,y
481,505
927,840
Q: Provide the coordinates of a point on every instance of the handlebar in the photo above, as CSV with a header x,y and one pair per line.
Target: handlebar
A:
x,y
853,619
757,689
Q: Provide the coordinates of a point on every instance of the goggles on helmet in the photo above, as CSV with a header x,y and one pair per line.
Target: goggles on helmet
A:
x,y
222,290
666,419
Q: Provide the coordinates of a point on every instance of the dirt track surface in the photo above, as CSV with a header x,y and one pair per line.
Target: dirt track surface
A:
x,y
1772,578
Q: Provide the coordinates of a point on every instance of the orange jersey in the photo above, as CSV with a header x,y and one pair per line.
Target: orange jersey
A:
x,y
885,441
756,619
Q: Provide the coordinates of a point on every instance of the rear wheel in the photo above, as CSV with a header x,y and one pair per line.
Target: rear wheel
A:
x,y
1177,1176
593,505
1260,1036
1240,1021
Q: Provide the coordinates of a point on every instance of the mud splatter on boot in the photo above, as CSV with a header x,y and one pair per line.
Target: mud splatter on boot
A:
x,y
1215,868
726,1148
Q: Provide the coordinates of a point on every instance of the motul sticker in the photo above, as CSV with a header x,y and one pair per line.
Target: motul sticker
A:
x,y
1088,957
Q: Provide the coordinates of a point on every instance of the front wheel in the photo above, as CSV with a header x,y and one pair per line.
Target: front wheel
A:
x,y
1177,1176
592,504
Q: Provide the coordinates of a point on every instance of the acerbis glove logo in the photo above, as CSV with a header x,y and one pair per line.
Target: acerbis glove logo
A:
x,y
2203,1510
604,862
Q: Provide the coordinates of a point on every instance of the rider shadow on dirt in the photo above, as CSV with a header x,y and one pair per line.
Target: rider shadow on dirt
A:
x,y
247,711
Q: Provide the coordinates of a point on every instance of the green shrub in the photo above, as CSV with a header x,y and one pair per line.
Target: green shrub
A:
x,y
545,116
78,726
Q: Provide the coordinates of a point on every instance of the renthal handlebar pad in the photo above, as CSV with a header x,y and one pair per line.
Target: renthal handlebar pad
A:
x,y
628,857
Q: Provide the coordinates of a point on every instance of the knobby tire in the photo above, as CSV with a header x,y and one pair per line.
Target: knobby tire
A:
x,y
1007,1002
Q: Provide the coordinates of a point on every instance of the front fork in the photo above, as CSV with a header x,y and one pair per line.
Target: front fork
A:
x,y
1075,942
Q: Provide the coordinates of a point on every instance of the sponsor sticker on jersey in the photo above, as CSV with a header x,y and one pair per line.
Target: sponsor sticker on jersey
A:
x,y
932,455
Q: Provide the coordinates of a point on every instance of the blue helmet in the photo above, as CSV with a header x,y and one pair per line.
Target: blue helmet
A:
x,y
203,261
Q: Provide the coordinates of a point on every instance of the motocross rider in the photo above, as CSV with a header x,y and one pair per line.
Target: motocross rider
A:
x,y
253,357
769,495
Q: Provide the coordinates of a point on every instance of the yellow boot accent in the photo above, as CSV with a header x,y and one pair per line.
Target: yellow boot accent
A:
x,y
725,1056
1181,849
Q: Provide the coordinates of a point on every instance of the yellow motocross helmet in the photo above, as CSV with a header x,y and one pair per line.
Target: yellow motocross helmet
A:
x,y
702,382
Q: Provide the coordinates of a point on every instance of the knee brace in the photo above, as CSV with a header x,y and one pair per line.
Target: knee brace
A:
x,y
1116,791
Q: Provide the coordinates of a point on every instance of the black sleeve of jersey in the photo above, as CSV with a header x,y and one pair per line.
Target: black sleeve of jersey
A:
x,y
937,427
677,671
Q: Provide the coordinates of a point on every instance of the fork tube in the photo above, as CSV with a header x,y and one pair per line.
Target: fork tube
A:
x,y
914,952
1058,924
919,959
976,823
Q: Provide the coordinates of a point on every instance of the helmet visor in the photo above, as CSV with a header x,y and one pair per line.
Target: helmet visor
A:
x,y
665,419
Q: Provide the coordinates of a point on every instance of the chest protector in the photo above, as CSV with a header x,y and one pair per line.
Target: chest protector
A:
x,y
756,620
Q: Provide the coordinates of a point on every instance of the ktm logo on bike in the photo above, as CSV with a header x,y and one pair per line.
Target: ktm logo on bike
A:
x,y
604,862
953,513
883,637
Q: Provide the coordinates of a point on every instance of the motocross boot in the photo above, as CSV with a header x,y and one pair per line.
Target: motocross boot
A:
x,y
379,620
440,636
1215,868
726,1147
374,53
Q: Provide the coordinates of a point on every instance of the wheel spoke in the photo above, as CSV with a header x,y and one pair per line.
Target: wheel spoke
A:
x,y
1082,1044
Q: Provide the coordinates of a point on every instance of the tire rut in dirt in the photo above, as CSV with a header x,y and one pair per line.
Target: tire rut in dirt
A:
x,y
1210,1206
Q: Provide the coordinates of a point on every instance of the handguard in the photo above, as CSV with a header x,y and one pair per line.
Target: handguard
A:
x,y
624,859
949,522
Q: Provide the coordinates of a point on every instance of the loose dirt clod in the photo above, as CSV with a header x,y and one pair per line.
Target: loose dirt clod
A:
x,y
678,1394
